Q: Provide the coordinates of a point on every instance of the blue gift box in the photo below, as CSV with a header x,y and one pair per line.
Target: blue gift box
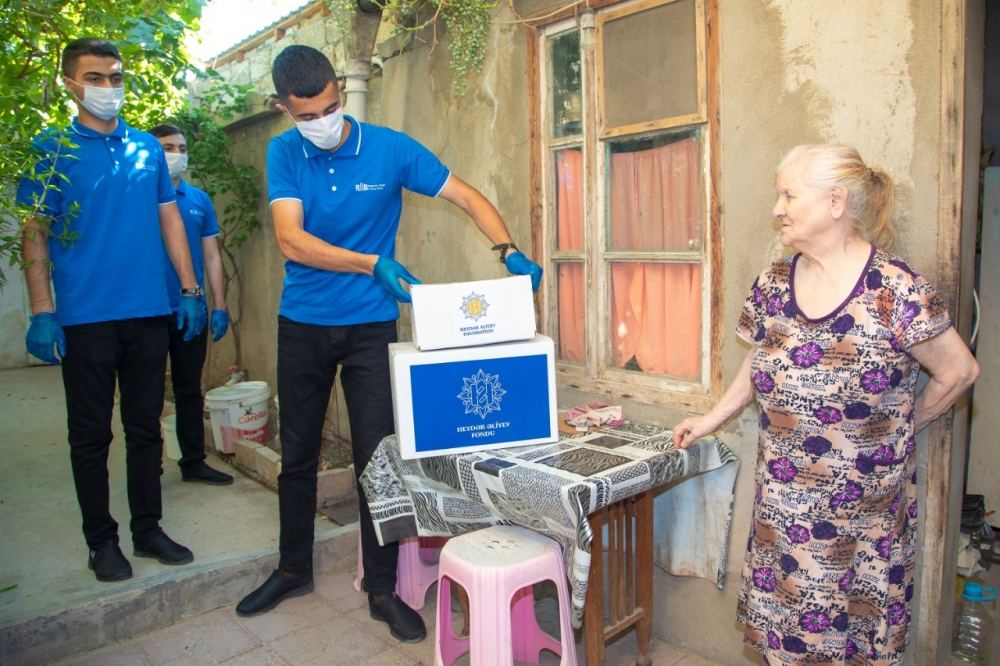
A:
x,y
473,398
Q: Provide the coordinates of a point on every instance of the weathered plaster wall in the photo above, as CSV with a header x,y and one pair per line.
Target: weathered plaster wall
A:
x,y
14,312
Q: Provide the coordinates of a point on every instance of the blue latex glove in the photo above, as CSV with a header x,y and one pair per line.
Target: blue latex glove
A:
x,y
518,264
388,273
218,324
191,316
43,333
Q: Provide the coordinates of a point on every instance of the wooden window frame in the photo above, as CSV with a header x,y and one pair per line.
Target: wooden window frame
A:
x,y
593,375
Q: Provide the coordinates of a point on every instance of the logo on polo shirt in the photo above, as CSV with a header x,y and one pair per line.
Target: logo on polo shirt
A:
x,y
369,187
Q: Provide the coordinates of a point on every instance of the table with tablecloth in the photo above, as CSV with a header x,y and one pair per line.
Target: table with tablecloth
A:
x,y
550,488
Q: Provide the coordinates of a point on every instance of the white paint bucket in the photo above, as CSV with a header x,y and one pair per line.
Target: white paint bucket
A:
x,y
170,444
238,412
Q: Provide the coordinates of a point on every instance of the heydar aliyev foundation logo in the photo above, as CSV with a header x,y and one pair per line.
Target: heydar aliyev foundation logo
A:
x,y
474,306
481,393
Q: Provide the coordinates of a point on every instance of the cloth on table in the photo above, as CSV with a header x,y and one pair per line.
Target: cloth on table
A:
x,y
550,488
691,518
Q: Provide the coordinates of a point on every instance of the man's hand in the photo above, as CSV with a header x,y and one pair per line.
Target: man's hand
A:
x,y
218,324
191,316
518,264
388,273
43,333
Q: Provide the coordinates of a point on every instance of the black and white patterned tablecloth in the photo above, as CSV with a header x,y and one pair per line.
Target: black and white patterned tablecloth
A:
x,y
550,488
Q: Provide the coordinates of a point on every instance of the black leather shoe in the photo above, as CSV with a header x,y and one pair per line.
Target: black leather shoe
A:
x,y
405,624
275,589
163,548
202,473
109,563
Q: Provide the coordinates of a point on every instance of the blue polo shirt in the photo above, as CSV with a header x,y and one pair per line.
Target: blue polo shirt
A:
x,y
108,197
352,198
199,222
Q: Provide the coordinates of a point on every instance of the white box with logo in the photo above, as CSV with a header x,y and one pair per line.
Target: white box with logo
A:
x,y
471,399
465,314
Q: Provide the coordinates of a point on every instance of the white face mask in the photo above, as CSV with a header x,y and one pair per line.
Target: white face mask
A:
x,y
105,103
324,132
177,163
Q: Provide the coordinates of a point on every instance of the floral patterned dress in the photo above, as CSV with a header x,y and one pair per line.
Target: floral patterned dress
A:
x,y
830,558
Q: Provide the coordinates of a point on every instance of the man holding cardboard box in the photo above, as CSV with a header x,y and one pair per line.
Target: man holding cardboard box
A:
x,y
335,187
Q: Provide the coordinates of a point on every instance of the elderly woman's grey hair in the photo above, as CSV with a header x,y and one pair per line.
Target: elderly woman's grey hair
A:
x,y
870,190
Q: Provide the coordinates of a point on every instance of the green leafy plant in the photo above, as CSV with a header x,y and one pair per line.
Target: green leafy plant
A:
x,y
467,22
149,35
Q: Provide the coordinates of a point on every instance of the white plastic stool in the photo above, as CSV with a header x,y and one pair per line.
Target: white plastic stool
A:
x,y
414,573
497,567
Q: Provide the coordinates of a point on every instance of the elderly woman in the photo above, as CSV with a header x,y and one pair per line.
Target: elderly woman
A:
x,y
838,331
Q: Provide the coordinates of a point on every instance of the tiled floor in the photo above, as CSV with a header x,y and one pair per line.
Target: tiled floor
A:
x,y
328,628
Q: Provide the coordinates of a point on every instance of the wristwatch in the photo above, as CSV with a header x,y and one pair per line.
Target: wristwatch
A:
x,y
504,248
195,291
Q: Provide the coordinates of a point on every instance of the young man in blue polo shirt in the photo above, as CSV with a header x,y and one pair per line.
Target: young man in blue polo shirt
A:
x,y
335,187
188,357
108,185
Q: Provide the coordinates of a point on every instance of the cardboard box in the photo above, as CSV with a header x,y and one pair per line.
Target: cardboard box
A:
x,y
467,314
471,399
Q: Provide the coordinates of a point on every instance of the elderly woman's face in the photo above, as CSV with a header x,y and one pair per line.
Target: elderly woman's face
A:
x,y
803,211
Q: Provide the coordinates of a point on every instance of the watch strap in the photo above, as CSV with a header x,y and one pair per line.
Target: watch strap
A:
x,y
504,248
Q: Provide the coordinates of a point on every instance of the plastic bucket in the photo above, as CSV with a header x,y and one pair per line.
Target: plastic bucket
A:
x,y
238,412
170,444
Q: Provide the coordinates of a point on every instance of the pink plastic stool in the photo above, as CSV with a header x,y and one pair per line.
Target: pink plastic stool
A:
x,y
497,566
416,570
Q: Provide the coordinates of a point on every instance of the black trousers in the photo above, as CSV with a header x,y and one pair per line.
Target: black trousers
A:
x,y
133,351
308,357
186,361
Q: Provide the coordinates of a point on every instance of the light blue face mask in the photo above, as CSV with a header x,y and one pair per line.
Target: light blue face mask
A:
x,y
324,132
105,103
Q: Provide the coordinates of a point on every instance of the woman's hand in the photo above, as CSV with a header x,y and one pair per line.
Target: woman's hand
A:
x,y
689,430
737,396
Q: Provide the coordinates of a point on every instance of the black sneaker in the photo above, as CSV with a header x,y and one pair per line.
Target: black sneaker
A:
x,y
405,624
275,589
202,473
109,563
163,548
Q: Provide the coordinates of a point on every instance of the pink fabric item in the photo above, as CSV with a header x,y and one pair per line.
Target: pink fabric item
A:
x,y
497,567
656,307
582,417
569,237
415,572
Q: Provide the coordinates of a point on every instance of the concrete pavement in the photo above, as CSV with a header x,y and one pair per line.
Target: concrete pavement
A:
x,y
53,610
53,606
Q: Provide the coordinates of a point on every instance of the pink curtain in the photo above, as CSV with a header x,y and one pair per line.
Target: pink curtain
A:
x,y
656,308
569,207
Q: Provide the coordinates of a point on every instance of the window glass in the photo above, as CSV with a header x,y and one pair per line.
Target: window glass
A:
x,y
653,193
565,85
650,65
656,318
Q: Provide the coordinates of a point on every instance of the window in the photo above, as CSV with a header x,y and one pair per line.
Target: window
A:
x,y
625,158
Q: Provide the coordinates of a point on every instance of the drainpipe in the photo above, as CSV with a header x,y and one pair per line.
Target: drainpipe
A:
x,y
356,88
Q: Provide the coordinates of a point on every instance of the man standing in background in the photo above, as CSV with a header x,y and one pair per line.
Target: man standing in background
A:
x,y
108,185
187,357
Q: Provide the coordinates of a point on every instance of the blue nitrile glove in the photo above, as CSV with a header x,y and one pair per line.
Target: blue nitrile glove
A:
x,y
388,273
218,324
44,332
518,264
191,316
